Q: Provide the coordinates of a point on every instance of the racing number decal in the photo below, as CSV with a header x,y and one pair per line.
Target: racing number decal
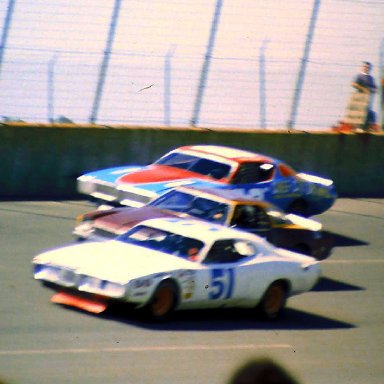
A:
x,y
256,193
282,188
222,283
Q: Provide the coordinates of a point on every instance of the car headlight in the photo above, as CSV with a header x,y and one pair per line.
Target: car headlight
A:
x,y
80,219
86,185
101,287
113,289
88,283
54,274
84,224
46,272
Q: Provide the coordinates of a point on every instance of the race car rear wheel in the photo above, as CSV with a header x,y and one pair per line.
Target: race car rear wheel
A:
x,y
273,301
163,301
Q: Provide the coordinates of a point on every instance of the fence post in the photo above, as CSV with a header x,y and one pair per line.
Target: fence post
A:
x,y
7,25
262,93
207,62
303,66
168,86
105,62
381,84
51,89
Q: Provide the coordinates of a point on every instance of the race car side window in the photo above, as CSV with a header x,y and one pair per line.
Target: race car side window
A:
x,y
253,172
229,251
211,168
250,217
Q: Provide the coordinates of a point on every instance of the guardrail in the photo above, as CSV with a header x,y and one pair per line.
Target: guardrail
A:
x,y
43,160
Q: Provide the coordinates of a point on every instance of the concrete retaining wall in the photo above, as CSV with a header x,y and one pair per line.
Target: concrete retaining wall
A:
x,y
43,161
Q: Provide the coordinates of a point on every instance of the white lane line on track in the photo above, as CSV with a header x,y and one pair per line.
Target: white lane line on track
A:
x,y
359,261
146,349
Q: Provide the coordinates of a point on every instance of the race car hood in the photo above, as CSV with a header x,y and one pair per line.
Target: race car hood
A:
x,y
158,173
154,178
109,175
120,220
112,260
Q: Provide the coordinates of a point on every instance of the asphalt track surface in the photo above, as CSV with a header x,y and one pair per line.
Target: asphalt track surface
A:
x,y
334,334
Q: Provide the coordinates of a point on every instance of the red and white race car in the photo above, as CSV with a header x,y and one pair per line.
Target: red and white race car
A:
x,y
255,175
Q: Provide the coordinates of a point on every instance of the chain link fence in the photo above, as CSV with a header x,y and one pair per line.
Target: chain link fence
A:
x,y
53,56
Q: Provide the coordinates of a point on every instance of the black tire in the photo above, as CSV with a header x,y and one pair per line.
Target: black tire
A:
x,y
273,302
163,301
298,207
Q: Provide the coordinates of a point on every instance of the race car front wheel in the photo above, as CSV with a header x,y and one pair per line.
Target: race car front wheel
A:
x,y
163,301
273,301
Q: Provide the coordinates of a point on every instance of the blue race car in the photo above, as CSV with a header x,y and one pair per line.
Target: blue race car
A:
x,y
255,175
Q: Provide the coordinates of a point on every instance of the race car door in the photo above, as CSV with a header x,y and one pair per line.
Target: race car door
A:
x,y
251,218
223,280
254,179
266,181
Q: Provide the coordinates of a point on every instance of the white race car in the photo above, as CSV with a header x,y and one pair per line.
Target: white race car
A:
x,y
169,264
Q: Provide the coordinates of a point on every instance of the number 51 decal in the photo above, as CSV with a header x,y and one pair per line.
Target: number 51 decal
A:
x,y
221,284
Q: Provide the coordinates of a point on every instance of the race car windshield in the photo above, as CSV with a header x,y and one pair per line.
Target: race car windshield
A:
x,y
163,241
196,164
200,207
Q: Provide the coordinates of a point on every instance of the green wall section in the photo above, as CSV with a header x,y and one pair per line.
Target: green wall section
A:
x,y
43,161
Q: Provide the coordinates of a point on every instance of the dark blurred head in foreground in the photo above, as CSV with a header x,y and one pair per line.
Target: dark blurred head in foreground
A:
x,y
261,371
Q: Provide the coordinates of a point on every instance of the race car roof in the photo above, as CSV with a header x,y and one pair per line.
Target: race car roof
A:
x,y
198,229
229,153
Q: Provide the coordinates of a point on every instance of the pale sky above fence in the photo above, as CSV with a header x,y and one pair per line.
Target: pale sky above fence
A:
x,y
68,39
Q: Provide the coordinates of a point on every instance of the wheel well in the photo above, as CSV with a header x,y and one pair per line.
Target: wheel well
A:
x,y
285,283
299,207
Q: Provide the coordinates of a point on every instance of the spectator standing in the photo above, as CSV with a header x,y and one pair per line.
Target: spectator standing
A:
x,y
364,82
